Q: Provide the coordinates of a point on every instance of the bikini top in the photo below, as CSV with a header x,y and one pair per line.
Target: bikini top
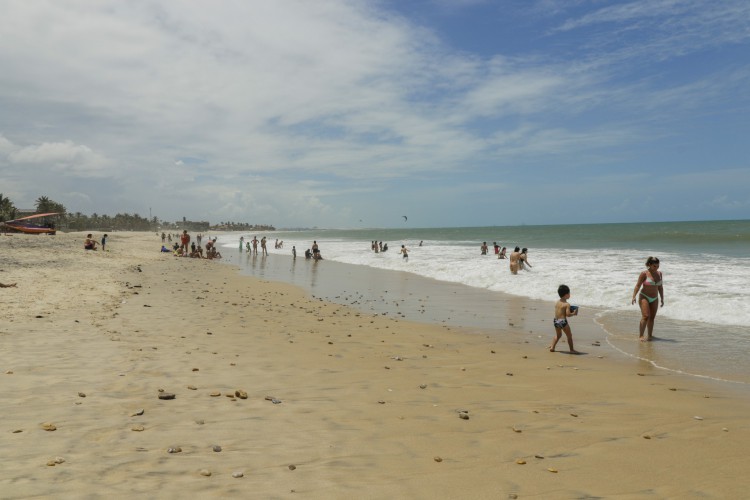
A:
x,y
650,281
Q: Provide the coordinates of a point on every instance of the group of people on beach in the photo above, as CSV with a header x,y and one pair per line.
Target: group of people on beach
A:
x,y
186,248
378,246
167,237
648,291
91,244
313,253
251,246
254,244
519,258
499,251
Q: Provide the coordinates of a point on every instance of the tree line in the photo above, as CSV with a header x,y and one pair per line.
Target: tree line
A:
x,y
78,221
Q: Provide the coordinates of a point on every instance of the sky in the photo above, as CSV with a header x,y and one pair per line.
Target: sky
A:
x,y
349,113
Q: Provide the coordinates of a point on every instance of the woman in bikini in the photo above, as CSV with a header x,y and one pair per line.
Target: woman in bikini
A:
x,y
648,290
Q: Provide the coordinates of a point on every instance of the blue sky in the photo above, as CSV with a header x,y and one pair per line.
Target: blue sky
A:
x,y
328,113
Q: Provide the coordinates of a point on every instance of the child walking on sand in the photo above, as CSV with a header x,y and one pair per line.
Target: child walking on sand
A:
x,y
563,311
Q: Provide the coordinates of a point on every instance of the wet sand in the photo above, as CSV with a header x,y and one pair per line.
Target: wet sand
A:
x,y
408,296
340,402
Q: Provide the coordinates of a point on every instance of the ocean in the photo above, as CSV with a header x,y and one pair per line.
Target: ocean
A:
x,y
702,330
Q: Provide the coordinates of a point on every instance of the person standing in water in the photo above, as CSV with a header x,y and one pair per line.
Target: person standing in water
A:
x,y
405,252
523,260
515,258
648,290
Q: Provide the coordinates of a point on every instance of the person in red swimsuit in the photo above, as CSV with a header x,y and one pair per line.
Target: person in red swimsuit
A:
x,y
184,241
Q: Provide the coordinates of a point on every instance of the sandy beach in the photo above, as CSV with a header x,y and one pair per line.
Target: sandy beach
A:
x,y
278,394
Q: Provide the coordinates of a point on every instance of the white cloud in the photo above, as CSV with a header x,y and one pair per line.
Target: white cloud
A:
x,y
65,157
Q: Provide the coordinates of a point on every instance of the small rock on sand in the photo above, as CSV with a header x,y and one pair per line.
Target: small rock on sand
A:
x,y
174,449
49,426
438,459
237,474
81,395
292,467
166,395
216,448
138,428
205,472
240,394
138,412
215,394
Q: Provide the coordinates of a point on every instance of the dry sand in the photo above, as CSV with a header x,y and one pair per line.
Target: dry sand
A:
x,y
367,406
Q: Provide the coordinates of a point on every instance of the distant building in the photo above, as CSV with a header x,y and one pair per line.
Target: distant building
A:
x,y
25,212
192,225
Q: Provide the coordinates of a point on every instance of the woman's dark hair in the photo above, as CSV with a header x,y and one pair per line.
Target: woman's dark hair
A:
x,y
652,260
517,249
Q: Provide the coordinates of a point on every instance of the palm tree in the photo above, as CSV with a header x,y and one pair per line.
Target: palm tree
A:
x,y
7,209
43,204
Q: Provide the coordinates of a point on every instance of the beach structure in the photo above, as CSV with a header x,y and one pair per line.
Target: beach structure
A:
x,y
24,225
